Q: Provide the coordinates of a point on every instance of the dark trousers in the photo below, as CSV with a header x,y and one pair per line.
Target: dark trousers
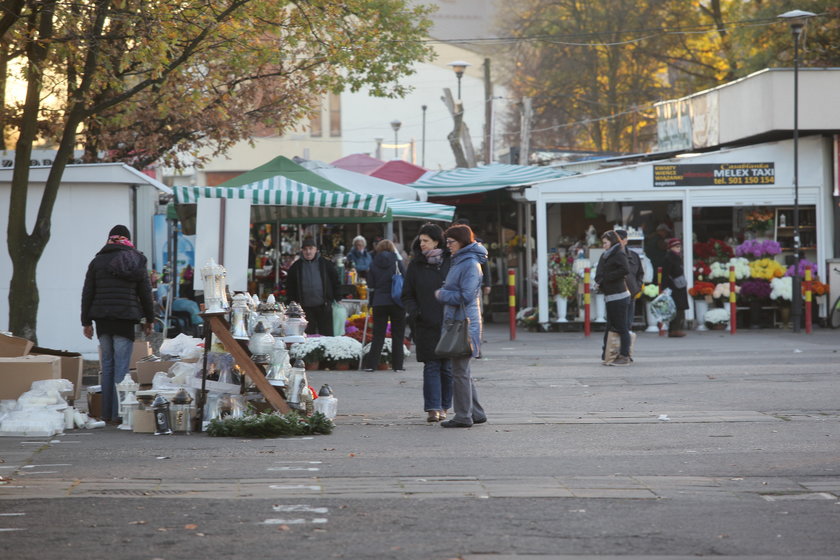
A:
x,y
381,315
319,320
617,322
678,322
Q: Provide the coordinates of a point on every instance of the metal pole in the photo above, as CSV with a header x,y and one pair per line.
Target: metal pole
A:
x,y
796,303
459,87
396,148
423,148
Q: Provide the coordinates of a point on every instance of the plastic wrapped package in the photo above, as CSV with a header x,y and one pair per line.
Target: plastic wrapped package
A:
x,y
182,345
181,372
32,422
163,382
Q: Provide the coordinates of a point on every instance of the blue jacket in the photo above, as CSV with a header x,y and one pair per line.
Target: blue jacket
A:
x,y
361,259
463,287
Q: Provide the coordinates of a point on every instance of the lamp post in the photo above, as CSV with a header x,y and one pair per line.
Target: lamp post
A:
x,y
423,141
459,66
796,19
395,124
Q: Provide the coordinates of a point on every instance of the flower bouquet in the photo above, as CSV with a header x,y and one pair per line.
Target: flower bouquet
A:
x,y
803,265
702,290
722,291
716,318
713,249
721,270
753,248
781,289
663,307
765,269
701,271
759,220
756,290
650,291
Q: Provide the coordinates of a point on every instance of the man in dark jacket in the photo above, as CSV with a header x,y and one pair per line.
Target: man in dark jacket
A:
x,y
313,283
117,293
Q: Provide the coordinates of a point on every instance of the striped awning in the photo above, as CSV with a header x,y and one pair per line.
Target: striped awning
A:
x,y
280,198
417,210
464,181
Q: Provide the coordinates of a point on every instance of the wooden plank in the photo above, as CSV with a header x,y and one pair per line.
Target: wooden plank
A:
x,y
241,356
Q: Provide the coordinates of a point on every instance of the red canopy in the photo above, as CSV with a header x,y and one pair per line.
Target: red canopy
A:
x,y
398,171
360,163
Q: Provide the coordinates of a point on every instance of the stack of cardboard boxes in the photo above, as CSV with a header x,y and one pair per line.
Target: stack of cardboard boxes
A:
x,y
21,363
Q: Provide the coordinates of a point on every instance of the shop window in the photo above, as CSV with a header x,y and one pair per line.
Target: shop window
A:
x,y
316,124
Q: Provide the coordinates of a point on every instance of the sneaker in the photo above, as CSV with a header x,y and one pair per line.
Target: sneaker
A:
x,y
454,424
621,361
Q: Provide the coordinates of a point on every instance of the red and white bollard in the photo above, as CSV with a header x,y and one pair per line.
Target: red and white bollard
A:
x,y
733,309
587,326
512,301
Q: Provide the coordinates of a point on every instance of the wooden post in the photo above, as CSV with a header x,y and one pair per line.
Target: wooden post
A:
x,y
243,359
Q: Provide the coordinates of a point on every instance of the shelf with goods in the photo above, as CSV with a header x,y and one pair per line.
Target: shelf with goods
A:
x,y
783,228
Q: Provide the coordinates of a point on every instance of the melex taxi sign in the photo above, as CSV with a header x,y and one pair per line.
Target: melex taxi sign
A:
x,y
713,174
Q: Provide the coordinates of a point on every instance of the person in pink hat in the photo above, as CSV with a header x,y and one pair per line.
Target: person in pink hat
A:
x,y
673,277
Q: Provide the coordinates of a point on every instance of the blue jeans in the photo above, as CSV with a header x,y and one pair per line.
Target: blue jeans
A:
x,y
116,355
437,385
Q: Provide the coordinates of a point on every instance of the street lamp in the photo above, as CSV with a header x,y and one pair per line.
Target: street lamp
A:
x,y
796,19
459,66
395,124
423,142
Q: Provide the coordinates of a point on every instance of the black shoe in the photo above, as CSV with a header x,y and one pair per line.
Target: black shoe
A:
x,y
454,424
481,420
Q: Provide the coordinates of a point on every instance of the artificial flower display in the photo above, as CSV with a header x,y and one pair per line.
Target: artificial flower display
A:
x,y
701,271
721,270
722,290
562,280
756,290
755,249
760,219
782,288
766,269
804,264
716,317
701,289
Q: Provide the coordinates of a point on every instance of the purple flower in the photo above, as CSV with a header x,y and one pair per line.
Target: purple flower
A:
x,y
758,249
804,264
758,289
350,329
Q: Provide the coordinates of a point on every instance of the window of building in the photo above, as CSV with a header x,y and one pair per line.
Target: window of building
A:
x,y
335,114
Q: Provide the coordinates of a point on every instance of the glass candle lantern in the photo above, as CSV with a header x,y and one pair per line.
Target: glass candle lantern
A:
x,y
214,277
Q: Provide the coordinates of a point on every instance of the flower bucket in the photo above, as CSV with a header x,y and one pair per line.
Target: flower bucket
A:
x,y
562,308
309,366
650,319
700,308
599,308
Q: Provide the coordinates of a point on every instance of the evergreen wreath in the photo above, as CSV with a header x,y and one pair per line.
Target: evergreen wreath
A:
x,y
270,425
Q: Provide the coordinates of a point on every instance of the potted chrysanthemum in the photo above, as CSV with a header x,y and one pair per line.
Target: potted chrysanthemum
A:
x,y
386,357
341,352
716,319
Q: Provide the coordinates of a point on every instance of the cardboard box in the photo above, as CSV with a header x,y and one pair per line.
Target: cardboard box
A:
x,y
145,372
143,421
13,346
17,374
94,405
72,366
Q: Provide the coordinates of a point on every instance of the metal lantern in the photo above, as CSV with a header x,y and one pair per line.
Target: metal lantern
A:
x,y
129,405
239,317
127,385
326,403
182,411
297,383
278,373
295,325
160,409
214,277
261,344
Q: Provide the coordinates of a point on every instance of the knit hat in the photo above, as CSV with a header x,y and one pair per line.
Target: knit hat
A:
x,y
622,233
674,243
121,231
308,242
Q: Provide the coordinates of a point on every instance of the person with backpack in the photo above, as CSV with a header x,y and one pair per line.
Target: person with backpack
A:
x,y
117,294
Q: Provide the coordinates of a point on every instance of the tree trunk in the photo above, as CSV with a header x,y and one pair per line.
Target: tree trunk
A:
x,y
23,292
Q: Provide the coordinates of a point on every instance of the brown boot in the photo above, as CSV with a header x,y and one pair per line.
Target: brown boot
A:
x,y
676,334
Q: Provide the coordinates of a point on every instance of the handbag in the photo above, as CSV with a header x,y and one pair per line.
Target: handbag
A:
x,y
679,282
397,285
455,340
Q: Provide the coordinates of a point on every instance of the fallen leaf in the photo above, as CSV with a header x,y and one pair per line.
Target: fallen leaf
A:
x,y
136,522
190,526
282,527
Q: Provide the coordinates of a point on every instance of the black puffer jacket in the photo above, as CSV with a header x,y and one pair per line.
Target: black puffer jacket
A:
x,y
117,286
425,312
329,279
611,271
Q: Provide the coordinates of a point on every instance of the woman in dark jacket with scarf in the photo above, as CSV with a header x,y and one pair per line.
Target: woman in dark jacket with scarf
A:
x,y
610,276
117,293
673,277
385,265
426,273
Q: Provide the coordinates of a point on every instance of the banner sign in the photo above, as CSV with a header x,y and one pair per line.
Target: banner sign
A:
x,y
713,174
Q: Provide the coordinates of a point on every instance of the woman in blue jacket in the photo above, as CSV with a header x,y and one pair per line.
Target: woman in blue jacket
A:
x,y
461,296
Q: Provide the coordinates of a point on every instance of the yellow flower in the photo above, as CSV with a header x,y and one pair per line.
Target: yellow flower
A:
x,y
766,269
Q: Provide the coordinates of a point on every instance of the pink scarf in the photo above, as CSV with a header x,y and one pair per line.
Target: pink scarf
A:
x,y
120,240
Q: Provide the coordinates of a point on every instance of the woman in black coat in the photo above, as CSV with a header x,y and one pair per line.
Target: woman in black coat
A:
x,y
610,275
673,277
426,273
380,275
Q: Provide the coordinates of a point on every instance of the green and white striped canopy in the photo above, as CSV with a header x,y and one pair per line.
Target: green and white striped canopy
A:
x,y
280,198
417,210
464,181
